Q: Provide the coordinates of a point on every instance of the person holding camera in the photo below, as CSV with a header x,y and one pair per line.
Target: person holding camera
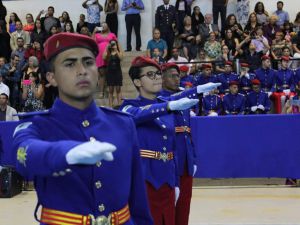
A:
x,y
113,55
133,20
94,9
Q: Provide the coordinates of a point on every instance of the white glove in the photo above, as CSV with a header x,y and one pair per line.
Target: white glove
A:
x,y
247,75
254,108
207,87
182,104
286,91
177,192
181,88
261,107
1,168
90,152
269,94
192,113
213,114
195,170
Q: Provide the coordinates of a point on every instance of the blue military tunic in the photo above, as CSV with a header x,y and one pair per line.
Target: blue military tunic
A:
x,y
258,98
297,76
234,104
225,79
186,154
284,79
83,189
155,129
245,83
266,78
187,78
201,79
212,103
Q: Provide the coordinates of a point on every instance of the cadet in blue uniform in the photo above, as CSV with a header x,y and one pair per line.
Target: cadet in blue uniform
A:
x,y
184,76
245,79
258,101
266,75
185,150
84,160
212,104
284,84
234,103
226,77
206,76
156,134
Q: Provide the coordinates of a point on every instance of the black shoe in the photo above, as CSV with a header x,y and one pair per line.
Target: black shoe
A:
x,y
138,49
128,50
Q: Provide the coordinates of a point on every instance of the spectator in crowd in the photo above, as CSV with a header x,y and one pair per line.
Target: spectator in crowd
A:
x,y
286,51
296,48
281,14
261,13
234,103
69,27
258,101
33,93
292,106
133,20
113,55
190,40
3,67
231,42
287,31
102,38
166,21
157,42
219,6
182,9
208,27
202,58
7,113
260,41
19,33
156,56
266,75
29,26
51,90
277,46
38,32
197,19
284,84
85,31
270,29
48,21
212,104
81,23
212,47
251,25
249,54
5,49
245,78
53,30
206,76
224,57
94,9
243,8
3,11
35,50
32,67
232,24
296,24
3,87
176,58
12,80
62,23
13,18
111,9
66,17
226,77
20,51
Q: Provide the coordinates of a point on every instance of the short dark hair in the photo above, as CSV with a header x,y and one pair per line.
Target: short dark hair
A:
x,y
51,7
20,38
5,95
280,2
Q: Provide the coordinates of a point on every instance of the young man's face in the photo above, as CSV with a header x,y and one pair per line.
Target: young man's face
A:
x,y
171,80
266,63
256,87
76,75
3,100
149,82
284,64
233,89
228,69
2,61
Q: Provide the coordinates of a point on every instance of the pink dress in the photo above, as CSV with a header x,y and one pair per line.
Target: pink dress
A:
x,y
102,42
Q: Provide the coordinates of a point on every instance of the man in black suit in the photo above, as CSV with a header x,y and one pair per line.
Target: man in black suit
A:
x,y
207,27
166,21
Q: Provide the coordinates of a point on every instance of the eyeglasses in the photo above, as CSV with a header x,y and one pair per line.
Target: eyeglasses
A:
x,y
151,74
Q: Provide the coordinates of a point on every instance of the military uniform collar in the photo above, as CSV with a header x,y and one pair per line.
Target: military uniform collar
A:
x,y
147,100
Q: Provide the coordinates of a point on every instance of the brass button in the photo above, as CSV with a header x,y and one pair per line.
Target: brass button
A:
x,y
98,164
101,208
62,173
164,126
164,148
98,184
85,123
165,137
68,171
92,139
55,174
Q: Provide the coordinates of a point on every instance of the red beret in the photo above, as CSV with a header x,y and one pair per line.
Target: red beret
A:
x,y
142,61
64,41
167,66
285,58
245,65
265,57
233,82
206,66
188,84
255,82
184,68
228,63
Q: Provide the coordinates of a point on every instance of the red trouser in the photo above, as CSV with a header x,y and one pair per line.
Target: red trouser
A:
x,y
277,100
184,201
162,204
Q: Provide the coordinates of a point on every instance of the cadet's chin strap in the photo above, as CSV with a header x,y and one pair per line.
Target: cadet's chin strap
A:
x,y
36,210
